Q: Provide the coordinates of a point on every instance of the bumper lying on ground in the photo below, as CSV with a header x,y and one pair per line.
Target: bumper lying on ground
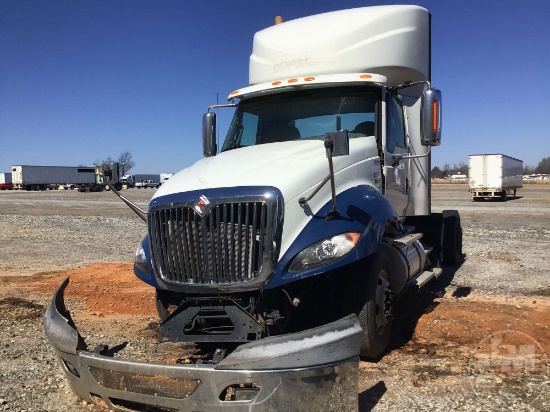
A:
x,y
312,370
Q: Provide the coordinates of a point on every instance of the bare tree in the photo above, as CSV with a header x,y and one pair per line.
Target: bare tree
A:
x,y
543,166
126,163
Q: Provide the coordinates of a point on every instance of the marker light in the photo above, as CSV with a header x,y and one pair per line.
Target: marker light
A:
x,y
434,123
325,251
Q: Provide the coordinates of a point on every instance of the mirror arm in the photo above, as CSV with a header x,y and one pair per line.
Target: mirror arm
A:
x,y
409,84
138,210
303,200
216,106
397,158
333,214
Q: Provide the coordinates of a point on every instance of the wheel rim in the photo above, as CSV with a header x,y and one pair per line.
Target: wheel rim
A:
x,y
383,301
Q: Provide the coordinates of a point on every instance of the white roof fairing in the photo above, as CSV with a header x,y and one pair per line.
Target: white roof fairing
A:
x,y
393,41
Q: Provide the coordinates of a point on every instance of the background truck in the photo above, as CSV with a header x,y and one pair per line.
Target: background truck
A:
x,y
287,249
103,175
145,184
26,177
5,178
494,176
5,181
134,180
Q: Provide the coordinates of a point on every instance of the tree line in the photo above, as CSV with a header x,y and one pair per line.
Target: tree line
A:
x,y
543,167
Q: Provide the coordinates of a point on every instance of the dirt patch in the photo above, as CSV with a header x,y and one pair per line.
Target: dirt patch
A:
x,y
435,333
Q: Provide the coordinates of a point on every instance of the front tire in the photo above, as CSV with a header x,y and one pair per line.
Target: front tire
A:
x,y
165,303
376,314
452,238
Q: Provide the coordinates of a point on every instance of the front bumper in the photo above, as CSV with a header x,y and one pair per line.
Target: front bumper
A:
x,y
311,370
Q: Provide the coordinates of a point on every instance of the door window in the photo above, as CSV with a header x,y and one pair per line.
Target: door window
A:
x,y
395,128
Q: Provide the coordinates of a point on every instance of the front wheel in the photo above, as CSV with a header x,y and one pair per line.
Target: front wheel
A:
x,y
376,314
452,237
166,303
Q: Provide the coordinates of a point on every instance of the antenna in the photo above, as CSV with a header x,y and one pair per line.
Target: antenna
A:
x,y
217,129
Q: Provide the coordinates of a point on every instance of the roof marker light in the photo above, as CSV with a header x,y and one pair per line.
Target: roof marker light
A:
x,y
309,79
276,83
234,92
365,76
292,80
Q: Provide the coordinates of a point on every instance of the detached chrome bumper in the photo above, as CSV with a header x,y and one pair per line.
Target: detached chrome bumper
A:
x,y
312,370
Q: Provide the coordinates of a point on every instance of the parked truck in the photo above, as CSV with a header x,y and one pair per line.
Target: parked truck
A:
x,y
146,184
494,176
103,175
138,179
5,181
5,178
27,177
287,249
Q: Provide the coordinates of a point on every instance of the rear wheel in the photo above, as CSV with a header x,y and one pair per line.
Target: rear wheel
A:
x,y
376,314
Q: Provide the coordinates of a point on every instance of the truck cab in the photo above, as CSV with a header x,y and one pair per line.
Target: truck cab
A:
x,y
320,191
287,247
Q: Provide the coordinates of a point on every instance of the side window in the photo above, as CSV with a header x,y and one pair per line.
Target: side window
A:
x,y
395,135
248,137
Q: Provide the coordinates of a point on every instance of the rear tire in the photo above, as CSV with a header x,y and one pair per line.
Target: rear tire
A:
x,y
375,317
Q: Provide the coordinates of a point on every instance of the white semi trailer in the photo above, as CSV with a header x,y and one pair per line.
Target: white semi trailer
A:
x,y
288,247
28,177
5,178
494,176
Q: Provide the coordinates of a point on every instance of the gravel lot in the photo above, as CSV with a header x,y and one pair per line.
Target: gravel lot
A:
x,y
439,334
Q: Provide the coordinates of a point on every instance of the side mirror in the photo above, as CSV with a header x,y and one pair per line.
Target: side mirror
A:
x,y
338,142
430,119
209,147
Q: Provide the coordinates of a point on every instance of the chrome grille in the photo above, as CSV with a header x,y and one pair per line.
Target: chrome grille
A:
x,y
234,243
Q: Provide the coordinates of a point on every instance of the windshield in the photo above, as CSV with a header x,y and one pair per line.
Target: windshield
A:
x,y
305,114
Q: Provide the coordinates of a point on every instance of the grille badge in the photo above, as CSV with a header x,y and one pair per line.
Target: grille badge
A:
x,y
202,205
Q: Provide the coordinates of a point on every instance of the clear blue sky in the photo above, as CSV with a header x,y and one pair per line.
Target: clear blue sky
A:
x,y
81,80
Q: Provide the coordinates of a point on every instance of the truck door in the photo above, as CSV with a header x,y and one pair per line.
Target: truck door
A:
x,y
396,172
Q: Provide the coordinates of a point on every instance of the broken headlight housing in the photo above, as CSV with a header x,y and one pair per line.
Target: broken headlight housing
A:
x,y
140,260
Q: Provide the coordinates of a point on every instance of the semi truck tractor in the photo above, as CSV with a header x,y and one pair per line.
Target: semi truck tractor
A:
x,y
287,247
106,175
494,176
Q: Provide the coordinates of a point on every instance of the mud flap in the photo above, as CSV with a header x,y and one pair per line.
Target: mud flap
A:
x,y
316,369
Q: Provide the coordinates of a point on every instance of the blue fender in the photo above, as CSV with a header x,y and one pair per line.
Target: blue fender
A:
x,y
148,278
362,209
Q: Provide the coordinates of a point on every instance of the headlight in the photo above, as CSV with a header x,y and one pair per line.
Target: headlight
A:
x,y
140,261
325,251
